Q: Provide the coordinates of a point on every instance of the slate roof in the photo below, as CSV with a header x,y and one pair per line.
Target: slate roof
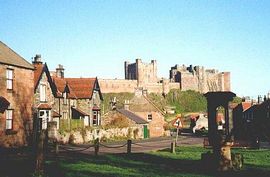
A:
x,y
132,116
8,56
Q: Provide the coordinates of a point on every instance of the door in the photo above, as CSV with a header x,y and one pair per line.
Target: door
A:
x,y
145,132
44,118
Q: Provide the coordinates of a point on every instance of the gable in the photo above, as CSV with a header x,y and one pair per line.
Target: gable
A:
x,y
40,70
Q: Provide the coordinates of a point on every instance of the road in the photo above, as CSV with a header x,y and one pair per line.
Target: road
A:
x,y
137,146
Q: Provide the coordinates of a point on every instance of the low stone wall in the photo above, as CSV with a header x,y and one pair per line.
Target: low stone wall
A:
x,y
87,136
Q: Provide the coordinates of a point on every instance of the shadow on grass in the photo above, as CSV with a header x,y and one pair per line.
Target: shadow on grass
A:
x,y
139,164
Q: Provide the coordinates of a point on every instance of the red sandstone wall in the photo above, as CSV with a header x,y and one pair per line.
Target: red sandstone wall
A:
x,y
156,126
21,100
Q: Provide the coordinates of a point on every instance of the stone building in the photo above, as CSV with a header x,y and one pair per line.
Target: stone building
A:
x,y
44,96
16,98
138,74
199,79
142,72
122,118
144,75
77,98
144,108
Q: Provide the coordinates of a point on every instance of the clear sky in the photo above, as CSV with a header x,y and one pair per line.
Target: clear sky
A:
x,y
94,38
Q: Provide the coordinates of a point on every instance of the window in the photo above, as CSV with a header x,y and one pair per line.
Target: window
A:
x,y
65,97
95,118
9,75
149,117
64,115
44,118
42,92
9,119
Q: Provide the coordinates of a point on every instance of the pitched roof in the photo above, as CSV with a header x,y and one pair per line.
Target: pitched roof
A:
x,y
44,106
37,73
56,114
8,56
79,111
82,87
246,105
132,116
78,87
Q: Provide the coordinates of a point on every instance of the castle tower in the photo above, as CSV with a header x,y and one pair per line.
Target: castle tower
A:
x,y
142,72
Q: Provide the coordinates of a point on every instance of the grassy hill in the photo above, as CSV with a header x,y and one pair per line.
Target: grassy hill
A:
x,y
184,102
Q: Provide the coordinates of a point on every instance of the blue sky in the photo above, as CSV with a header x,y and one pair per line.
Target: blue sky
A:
x,y
94,38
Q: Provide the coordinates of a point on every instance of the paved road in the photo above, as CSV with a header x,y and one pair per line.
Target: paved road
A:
x,y
138,146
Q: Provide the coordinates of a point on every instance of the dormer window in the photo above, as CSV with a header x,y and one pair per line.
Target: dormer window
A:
x,y
9,77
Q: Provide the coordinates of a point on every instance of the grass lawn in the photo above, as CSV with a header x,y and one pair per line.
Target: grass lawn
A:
x,y
186,162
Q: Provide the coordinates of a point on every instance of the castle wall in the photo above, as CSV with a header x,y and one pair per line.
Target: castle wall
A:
x,y
117,85
189,82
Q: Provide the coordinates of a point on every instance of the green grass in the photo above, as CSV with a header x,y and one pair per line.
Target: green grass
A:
x,y
185,162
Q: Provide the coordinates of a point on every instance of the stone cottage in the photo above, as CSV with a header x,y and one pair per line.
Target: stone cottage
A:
x,y
143,108
77,98
44,96
122,118
16,98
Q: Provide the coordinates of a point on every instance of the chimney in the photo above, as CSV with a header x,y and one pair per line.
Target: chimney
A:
x,y
126,105
60,71
259,99
37,59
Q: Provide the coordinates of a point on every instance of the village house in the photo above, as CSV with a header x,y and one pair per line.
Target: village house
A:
x,y
144,109
44,96
16,98
77,98
121,118
240,116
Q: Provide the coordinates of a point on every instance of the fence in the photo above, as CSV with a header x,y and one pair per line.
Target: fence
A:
x,y
70,124
129,144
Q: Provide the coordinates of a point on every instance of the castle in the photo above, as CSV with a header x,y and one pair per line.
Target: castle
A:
x,y
144,75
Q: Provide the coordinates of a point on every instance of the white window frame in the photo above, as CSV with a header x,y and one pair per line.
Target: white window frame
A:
x,y
9,119
42,92
9,77
95,117
148,116
45,118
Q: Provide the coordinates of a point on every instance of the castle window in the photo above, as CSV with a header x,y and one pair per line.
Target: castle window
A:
x,y
9,77
149,117
9,119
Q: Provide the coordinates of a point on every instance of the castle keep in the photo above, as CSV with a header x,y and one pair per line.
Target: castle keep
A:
x,y
144,75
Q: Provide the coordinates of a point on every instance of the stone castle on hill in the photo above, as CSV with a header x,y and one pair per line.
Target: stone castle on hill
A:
x,y
144,75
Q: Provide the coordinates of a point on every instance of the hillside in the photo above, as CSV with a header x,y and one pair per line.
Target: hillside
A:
x,y
183,101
